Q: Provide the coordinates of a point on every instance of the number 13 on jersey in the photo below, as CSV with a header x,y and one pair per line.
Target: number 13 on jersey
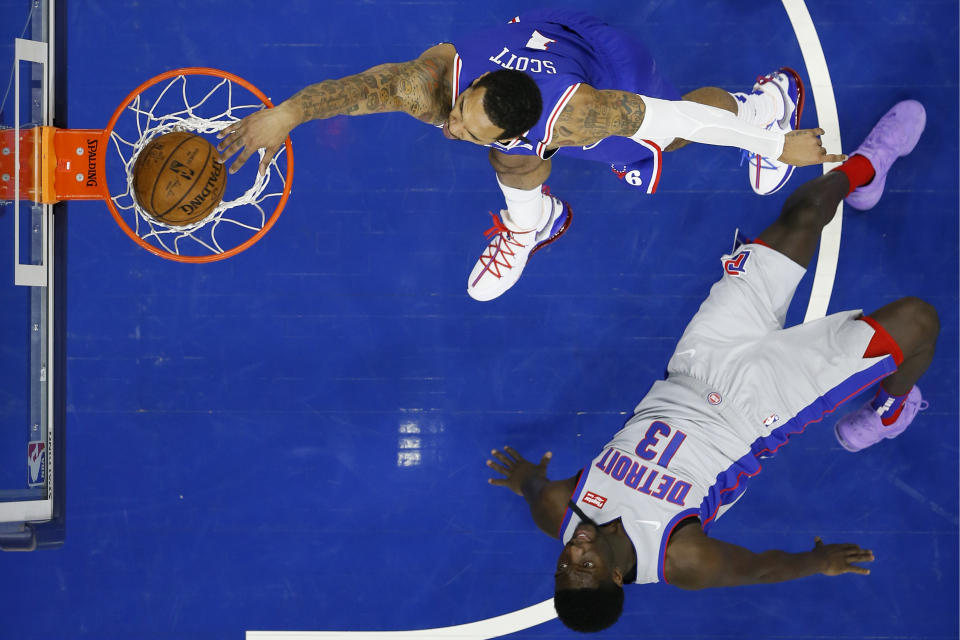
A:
x,y
656,435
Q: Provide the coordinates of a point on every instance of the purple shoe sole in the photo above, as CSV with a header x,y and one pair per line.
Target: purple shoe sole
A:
x,y
863,428
894,136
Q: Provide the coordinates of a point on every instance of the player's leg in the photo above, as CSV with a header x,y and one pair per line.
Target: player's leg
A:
x,y
775,102
861,178
907,330
804,215
532,219
712,97
914,326
519,171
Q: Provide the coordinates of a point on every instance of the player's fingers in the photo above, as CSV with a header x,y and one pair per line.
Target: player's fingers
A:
x,y
496,467
497,481
545,460
228,130
241,160
513,452
502,458
863,571
835,157
818,131
229,147
861,555
268,158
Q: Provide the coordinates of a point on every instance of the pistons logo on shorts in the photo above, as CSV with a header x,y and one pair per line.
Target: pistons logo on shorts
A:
x,y
737,264
714,398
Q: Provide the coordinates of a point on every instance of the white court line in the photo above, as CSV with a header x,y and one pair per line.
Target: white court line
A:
x,y
481,630
827,119
822,88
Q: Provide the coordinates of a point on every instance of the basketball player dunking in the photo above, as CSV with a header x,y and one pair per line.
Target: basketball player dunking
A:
x,y
552,83
739,386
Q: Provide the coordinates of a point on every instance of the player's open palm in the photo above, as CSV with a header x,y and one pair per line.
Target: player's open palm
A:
x,y
516,469
266,129
841,558
802,148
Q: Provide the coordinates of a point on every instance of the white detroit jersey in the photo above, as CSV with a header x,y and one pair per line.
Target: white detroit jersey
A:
x,y
738,387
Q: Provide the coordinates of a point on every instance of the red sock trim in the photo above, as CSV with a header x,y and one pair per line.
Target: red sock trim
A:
x,y
882,342
858,170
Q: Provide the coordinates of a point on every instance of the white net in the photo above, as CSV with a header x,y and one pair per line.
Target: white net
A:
x,y
203,105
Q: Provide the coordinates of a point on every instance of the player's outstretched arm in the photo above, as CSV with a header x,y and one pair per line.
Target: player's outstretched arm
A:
x,y
547,499
419,88
694,561
592,115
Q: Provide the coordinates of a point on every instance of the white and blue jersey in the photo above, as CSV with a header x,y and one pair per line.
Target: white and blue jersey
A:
x,y
739,386
562,50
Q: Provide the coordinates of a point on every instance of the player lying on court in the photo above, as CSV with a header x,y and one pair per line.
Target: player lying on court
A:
x,y
642,509
552,83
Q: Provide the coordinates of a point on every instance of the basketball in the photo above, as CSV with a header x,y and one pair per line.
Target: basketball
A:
x,y
178,178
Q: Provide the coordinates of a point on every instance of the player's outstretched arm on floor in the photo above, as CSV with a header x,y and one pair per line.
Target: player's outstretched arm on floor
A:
x,y
593,115
695,561
419,88
547,499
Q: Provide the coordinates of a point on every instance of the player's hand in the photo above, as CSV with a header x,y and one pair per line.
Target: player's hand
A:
x,y
802,148
266,129
840,558
512,465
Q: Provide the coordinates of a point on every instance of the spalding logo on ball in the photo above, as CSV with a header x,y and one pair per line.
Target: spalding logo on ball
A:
x,y
178,178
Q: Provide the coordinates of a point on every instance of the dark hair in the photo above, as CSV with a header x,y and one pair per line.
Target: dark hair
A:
x,y
512,101
589,610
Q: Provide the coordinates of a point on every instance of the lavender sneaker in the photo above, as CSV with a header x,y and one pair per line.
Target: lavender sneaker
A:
x,y
863,427
894,136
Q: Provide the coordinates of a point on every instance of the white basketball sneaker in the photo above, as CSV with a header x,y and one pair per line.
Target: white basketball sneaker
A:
x,y
507,252
768,175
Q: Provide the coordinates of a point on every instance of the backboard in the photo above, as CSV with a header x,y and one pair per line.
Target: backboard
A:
x,y
33,240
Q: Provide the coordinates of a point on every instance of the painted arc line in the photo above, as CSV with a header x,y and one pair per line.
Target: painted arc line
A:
x,y
829,121
826,269
480,630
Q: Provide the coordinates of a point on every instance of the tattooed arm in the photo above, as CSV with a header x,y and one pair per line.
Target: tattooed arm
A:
x,y
420,88
593,115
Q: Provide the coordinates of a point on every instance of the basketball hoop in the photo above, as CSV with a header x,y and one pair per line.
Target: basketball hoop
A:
x,y
75,164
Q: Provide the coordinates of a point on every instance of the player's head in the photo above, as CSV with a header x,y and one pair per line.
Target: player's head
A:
x,y
498,106
588,586
589,610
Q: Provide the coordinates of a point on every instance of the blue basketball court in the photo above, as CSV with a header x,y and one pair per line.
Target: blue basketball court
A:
x,y
294,439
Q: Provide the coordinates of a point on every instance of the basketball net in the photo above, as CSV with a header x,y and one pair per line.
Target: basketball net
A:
x,y
245,211
74,164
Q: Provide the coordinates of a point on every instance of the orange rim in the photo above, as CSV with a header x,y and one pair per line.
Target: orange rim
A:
x,y
217,73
